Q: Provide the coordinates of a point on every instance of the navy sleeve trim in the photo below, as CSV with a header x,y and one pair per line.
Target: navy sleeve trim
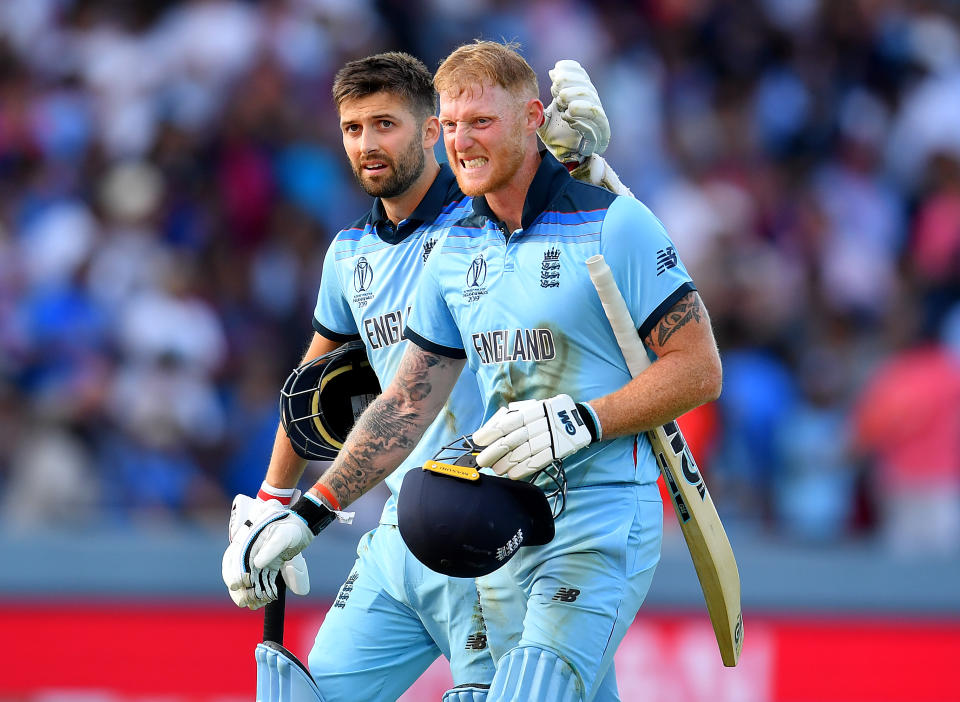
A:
x,y
664,307
428,345
332,335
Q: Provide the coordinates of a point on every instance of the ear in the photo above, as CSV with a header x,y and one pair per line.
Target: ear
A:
x,y
431,132
534,114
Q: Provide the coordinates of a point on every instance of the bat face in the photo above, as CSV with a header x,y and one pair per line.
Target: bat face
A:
x,y
688,466
709,547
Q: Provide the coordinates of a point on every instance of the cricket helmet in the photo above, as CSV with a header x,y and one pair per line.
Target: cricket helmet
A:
x,y
463,523
322,398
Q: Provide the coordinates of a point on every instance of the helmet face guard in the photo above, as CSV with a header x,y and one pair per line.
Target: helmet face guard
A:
x,y
322,398
463,523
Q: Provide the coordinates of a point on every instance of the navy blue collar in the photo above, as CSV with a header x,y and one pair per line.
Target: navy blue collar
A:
x,y
442,192
551,177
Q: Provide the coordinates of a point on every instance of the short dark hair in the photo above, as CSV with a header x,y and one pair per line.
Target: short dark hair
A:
x,y
393,72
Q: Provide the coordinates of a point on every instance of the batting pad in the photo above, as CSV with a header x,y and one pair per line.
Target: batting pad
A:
x,y
466,693
283,678
529,673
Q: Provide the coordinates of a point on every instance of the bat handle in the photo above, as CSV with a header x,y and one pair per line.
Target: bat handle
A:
x,y
273,614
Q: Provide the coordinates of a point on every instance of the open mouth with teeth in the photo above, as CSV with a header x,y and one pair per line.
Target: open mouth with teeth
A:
x,y
374,166
472,163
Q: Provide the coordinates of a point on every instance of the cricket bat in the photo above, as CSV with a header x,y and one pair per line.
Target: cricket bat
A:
x,y
281,676
701,526
273,614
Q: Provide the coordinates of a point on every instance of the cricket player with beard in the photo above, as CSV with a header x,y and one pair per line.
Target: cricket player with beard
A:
x,y
396,617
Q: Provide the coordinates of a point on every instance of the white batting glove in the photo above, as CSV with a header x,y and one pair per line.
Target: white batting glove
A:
x,y
575,125
261,586
264,588
597,171
525,436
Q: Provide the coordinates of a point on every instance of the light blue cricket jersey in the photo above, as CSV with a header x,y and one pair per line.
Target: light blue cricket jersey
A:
x,y
370,274
523,311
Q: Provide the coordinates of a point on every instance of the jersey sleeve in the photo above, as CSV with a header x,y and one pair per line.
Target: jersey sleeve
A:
x,y
332,317
431,325
644,261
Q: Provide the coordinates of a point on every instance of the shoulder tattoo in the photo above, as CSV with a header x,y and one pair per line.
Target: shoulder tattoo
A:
x,y
688,309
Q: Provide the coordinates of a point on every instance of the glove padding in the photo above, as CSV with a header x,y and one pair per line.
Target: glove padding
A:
x,y
264,588
596,171
525,436
575,125
257,587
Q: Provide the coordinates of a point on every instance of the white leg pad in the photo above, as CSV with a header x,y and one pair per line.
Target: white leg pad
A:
x,y
283,678
528,673
466,693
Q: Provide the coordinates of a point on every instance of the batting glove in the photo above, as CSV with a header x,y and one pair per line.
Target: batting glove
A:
x,y
525,436
262,589
597,171
575,125
275,538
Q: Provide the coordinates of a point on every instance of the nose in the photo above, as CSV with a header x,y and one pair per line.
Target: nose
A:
x,y
368,141
462,139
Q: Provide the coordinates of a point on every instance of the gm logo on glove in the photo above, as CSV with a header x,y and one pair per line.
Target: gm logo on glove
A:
x,y
568,423
525,436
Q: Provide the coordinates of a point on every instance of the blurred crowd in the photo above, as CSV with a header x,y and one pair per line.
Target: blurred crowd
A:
x,y
171,173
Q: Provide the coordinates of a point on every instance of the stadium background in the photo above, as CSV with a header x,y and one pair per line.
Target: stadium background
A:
x,y
170,173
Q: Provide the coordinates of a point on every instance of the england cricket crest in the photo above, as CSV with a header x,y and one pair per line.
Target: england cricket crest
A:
x,y
362,280
550,269
427,248
476,277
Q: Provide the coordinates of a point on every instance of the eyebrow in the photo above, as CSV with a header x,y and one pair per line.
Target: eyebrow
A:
x,y
488,114
381,115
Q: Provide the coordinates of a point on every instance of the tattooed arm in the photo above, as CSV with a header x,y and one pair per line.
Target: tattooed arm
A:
x,y
392,425
685,375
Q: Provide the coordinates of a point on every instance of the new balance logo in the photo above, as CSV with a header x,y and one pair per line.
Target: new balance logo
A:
x,y
666,259
476,642
566,594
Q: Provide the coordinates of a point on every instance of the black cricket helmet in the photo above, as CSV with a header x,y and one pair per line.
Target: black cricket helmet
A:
x,y
463,523
322,398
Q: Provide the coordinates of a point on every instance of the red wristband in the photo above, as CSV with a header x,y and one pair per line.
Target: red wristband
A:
x,y
268,492
325,491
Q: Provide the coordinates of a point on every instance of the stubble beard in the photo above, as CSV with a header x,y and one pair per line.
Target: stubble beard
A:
x,y
407,167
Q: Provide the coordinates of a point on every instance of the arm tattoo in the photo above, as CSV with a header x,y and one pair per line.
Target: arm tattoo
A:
x,y
391,426
687,308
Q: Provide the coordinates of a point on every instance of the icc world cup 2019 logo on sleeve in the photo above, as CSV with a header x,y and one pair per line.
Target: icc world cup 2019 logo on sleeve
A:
x,y
476,277
362,280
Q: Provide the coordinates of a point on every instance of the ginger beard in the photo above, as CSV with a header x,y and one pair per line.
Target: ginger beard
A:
x,y
403,170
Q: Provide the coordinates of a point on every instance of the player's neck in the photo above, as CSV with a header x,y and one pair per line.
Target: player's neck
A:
x,y
402,206
507,202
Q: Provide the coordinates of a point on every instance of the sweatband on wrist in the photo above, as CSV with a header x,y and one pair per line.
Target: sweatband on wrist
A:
x,y
591,421
282,495
316,514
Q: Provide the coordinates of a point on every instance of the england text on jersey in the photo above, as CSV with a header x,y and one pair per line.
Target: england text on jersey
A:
x,y
507,345
385,329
